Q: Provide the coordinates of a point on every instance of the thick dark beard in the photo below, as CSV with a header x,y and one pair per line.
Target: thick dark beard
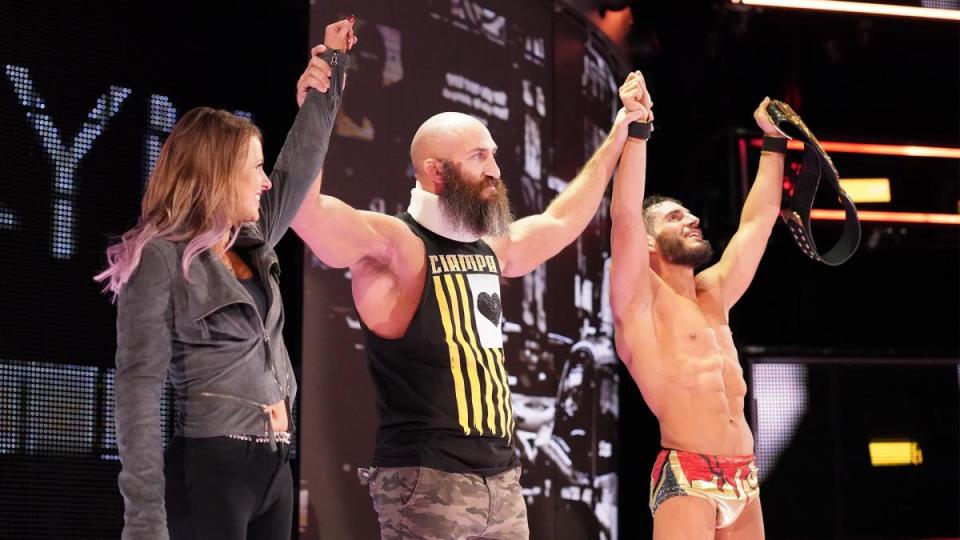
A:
x,y
675,251
463,205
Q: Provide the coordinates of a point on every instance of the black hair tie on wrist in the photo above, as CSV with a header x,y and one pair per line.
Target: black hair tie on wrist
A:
x,y
816,164
774,144
640,130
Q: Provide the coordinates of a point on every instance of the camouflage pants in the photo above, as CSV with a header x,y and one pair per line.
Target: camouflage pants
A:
x,y
426,504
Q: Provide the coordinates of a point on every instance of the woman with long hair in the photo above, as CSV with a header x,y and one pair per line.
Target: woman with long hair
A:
x,y
198,298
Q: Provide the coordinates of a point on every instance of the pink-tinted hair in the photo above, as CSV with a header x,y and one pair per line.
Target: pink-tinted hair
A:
x,y
192,194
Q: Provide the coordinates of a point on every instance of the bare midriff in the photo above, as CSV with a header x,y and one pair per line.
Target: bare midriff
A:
x,y
278,416
692,381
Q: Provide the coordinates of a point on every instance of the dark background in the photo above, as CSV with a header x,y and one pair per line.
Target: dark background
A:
x,y
851,78
854,78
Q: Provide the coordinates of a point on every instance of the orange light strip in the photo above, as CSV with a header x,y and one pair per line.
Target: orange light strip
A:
x,y
858,7
876,149
890,217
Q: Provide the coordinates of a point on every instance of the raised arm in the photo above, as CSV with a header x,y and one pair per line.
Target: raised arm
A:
x,y
736,268
534,239
341,236
630,285
319,92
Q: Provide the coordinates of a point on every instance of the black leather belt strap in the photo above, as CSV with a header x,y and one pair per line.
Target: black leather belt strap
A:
x,y
816,165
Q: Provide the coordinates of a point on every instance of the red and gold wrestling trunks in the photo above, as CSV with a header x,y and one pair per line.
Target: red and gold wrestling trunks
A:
x,y
728,483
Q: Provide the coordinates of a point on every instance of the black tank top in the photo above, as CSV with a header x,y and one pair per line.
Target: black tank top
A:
x,y
442,392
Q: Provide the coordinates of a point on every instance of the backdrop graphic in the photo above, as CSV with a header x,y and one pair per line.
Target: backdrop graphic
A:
x,y
87,95
546,87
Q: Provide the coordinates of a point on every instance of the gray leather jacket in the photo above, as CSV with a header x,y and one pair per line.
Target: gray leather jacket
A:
x,y
225,362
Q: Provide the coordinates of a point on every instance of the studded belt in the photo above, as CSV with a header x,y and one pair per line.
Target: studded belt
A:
x,y
283,437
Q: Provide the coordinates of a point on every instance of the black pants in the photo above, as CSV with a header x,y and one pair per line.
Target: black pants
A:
x,y
221,488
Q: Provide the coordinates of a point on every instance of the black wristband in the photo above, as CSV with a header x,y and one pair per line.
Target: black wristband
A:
x,y
774,144
640,130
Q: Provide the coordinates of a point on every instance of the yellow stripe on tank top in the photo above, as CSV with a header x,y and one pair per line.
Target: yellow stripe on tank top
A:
x,y
496,393
454,355
472,375
502,391
468,324
491,357
508,423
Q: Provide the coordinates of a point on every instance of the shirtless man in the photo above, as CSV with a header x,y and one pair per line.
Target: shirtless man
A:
x,y
426,285
673,337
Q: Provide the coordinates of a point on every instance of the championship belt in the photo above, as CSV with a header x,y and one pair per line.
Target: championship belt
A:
x,y
816,164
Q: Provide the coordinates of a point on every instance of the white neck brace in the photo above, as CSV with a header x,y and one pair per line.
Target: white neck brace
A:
x,y
425,209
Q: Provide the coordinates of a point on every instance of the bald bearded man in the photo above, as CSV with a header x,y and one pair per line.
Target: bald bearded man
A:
x,y
426,285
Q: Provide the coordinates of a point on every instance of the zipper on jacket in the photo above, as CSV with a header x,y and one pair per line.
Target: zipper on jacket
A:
x,y
263,330
264,409
265,270
273,365
266,335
